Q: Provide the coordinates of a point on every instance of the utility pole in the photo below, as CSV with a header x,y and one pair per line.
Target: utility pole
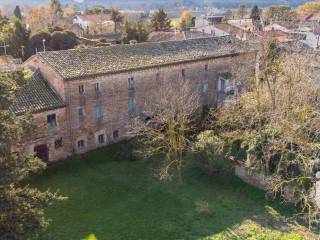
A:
x,y
44,45
22,51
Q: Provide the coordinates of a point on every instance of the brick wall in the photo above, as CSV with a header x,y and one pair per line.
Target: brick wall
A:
x,y
54,79
113,98
45,135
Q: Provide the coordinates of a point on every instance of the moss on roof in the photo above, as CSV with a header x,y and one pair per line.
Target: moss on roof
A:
x,y
77,63
36,96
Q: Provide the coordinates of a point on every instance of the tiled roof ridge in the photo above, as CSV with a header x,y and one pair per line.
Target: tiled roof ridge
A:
x,y
139,44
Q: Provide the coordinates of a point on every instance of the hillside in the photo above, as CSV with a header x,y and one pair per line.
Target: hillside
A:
x,y
134,4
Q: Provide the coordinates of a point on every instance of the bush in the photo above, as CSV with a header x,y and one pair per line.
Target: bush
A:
x,y
208,152
63,40
36,41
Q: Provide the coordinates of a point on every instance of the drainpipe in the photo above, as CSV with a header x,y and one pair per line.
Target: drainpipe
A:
x,y
68,108
317,198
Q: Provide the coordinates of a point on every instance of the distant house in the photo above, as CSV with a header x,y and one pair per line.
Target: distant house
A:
x,y
315,17
245,24
207,25
277,27
98,23
236,31
275,34
174,36
313,38
77,29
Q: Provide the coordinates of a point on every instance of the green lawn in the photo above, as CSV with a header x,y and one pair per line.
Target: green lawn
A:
x,y
119,199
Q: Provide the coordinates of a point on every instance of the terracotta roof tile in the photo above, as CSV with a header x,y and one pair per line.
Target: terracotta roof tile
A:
x,y
92,61
36,96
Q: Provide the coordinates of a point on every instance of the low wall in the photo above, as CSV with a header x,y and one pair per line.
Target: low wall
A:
x,y
317,200
259,180
253,178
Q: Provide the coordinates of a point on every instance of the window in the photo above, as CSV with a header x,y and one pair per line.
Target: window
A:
x,y
183,72
58,143
158,77
131,104
81,113
101,138
51,120
81,143
221,85
115,135
206,67
131,83
205,88
81,89
97,87
98,112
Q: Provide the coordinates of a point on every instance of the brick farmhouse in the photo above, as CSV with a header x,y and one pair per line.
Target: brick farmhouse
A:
x,y
82,99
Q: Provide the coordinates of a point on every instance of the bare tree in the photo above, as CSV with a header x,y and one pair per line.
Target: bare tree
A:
x,y
167,124
274,129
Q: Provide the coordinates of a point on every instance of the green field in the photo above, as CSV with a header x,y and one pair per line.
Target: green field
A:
x,y
115,198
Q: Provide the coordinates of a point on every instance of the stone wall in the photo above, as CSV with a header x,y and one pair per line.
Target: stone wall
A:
x,y
255,179
259,180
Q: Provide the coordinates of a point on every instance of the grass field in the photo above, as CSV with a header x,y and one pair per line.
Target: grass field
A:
x,y
114,198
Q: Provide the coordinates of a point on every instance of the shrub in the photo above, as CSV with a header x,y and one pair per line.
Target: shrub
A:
x,y
208,151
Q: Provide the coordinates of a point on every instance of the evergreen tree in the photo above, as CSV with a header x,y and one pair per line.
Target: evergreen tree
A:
x,y
62,40
19,38
278,13
56,8
160,21
116,17
242,11
135,31
255,13
126,34
17,12
36,42
142,32
22,215
256,17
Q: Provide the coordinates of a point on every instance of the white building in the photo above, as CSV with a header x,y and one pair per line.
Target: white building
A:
x,y
97,21
206,24
313,38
